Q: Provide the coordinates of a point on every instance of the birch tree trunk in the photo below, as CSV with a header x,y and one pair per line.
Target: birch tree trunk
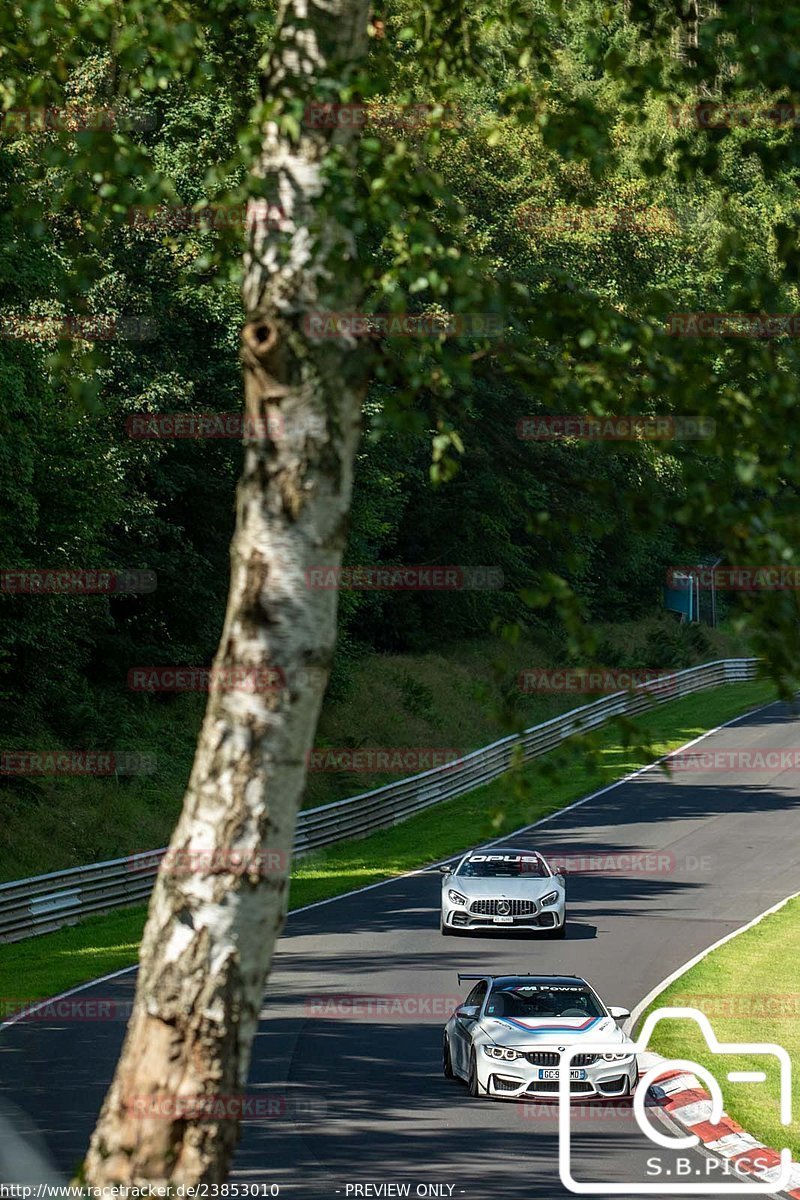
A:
x,y
211,929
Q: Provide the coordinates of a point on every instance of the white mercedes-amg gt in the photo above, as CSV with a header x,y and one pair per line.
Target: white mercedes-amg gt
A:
x,y
506,1040
500,888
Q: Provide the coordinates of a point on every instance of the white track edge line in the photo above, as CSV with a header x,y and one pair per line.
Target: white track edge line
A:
x,y
698,958
81,987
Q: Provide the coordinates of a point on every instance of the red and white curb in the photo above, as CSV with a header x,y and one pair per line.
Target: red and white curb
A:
x,y
686,1102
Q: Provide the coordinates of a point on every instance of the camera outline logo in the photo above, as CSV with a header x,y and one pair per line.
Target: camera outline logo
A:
x,y
690,1141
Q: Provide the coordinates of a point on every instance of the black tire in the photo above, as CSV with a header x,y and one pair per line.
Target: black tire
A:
x,y
447,1062
445,930
559,933
472,1081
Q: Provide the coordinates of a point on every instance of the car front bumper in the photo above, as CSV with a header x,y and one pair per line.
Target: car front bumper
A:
x,y
520,1080
460,917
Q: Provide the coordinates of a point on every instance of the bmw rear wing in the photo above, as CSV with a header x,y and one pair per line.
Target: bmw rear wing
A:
x,y
488,978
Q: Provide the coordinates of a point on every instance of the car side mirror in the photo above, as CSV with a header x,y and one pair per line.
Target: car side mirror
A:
x,y
563,872
467,1012
446,870
619,1014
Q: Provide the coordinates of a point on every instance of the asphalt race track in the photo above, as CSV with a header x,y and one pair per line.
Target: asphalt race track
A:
x,y
359,1097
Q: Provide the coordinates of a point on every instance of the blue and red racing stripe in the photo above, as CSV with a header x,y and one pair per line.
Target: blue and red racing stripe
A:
x,y
584,1027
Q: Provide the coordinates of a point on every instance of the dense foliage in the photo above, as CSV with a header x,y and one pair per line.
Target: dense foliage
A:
x,y
550,113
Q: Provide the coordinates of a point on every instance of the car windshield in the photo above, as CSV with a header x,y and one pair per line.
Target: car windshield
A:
x,y
505,866
530,1002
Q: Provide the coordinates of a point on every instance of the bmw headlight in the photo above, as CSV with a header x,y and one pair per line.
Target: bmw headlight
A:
x,y
617,1057
501,1052
550,898
456,897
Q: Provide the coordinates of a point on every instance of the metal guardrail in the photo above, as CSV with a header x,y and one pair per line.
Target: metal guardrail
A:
x,y
46,902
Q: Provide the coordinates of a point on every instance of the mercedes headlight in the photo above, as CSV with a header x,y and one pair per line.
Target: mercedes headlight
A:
x,y
502,1052
456,897
550,898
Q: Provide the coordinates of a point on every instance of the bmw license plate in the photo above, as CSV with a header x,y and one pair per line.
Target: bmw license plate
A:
x,y
575,1073
503,920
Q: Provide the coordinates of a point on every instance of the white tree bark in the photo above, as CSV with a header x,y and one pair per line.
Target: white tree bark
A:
x,y
210,933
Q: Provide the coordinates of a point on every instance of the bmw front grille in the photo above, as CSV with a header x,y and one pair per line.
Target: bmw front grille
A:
x,y
548,1058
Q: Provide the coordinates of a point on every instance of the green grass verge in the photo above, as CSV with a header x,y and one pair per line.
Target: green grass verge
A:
x,y
49,964
749,991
